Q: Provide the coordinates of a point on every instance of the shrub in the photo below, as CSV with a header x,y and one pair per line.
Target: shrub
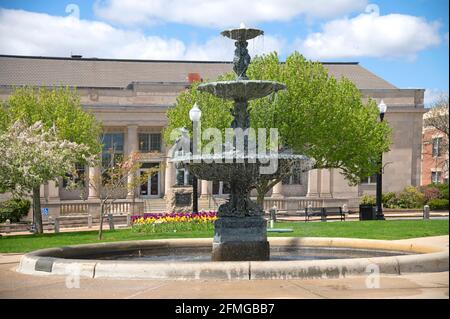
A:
x,y
435,191
14,209
443,188
438,204
368,200
388,198
393,202
431,193
410,198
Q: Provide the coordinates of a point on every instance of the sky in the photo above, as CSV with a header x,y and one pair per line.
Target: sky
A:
x,y
406,42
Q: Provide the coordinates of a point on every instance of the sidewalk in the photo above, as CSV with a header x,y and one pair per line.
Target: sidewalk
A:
x,y
417,285
68,230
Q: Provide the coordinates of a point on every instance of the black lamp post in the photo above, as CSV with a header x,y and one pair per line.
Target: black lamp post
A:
x,y
380,216
195,115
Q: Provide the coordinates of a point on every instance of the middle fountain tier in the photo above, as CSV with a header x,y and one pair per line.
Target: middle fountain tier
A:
x,y
241,230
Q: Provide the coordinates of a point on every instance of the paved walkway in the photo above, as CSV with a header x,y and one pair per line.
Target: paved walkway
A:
x,y
68,230
418,285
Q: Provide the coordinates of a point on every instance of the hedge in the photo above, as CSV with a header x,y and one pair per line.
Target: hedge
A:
x,y
14,209
438,204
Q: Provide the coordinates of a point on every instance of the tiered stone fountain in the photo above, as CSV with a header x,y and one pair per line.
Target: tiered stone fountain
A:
x,y
241,230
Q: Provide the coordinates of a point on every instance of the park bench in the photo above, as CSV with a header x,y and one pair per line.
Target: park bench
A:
x,y
313,212
324,213
334,211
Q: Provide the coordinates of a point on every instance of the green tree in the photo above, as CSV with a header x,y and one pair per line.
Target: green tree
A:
x,y
318,116
57,108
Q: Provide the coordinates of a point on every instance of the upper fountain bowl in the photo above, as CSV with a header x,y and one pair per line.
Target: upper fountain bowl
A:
x,y
242,89
242,34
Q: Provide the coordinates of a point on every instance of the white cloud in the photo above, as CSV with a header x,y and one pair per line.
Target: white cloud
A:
x,y
371,35
433,95
29,33
220,13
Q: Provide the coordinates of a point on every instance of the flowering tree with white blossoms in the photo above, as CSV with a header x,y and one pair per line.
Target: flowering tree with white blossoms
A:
x,y
32,156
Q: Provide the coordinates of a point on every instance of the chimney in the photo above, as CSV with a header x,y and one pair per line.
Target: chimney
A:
x,y
194,77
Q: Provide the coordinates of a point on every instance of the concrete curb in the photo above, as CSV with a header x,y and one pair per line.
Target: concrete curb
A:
x,y
57,261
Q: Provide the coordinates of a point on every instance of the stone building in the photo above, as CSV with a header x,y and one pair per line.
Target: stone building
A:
x,y
131,97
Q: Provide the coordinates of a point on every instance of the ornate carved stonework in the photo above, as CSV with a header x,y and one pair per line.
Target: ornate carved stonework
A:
x,y
176,199
241,59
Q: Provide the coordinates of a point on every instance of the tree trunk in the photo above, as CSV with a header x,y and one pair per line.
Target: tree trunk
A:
x,y
37,216
260,197
102,212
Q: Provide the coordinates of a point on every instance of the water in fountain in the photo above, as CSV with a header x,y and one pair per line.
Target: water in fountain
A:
x,y
240,231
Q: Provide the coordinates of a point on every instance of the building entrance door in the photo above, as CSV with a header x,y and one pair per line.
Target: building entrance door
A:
x,y
151,187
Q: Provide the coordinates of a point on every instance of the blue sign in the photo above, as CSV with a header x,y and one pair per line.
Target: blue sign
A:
x,y
44,211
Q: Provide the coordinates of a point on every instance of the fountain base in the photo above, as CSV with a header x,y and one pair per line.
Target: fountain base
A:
x,y
240,239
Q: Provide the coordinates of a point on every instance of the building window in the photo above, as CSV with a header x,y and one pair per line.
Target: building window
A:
x,y
112,148
150,142
183,177
294,178
78,179
437,142
369,180
220,188
435,177
112,153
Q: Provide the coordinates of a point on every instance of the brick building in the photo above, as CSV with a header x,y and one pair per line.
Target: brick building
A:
x,y
434,155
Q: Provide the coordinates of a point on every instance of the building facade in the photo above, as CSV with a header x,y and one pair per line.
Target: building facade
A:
x,y
131,97
435,155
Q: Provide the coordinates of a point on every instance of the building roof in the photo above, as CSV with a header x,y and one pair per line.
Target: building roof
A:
x,y
119,73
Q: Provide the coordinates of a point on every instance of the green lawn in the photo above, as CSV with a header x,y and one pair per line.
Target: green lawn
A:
x,y
393,229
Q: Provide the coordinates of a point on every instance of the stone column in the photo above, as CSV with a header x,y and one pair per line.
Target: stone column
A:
x,y
277,190
206,189
94,173
325,183
169,178
43,192
53,191
313,183
132,146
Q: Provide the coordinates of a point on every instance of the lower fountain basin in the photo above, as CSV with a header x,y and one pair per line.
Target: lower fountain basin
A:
x,y
97,260
277,253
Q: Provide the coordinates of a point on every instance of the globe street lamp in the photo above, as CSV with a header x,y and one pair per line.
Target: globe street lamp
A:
x,y
380,216
195,114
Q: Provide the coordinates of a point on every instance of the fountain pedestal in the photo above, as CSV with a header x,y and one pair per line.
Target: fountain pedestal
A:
x,y
240,238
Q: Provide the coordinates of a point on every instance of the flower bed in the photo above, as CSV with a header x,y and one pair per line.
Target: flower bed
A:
x,y
173,222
